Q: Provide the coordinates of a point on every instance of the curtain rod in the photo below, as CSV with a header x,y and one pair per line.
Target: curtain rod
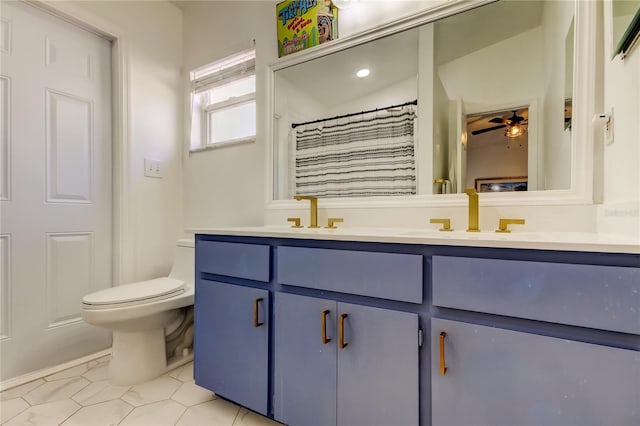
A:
x,y
294,125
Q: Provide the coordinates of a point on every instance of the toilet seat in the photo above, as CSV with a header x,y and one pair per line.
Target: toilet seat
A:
x,y
134,294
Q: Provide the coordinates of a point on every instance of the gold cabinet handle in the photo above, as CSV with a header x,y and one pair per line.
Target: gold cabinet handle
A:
x,y
443,369
256,321
341,344
325,339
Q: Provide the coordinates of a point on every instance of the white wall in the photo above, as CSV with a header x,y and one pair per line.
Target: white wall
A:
x,y
500,158
225,186
619,212
397,93
154,124
483,86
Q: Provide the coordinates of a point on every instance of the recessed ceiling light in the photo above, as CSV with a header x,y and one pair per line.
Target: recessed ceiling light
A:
x,y
363,72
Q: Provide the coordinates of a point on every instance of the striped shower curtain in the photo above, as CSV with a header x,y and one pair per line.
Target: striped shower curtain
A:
x,y
364,155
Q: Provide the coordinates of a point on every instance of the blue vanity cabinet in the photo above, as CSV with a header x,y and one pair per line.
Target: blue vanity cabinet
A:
x,y
528,337
378,370
498,377
592,296
514,372
370,379
231,342
304,366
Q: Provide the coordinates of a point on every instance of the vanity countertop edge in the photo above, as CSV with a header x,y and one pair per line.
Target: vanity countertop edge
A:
x,y
562,241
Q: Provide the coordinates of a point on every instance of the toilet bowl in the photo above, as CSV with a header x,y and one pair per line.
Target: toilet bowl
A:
x,y
139,314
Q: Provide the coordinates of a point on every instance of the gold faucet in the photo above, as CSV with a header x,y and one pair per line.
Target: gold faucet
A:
x,y
506,222
446,224
313,213
295,221
473,210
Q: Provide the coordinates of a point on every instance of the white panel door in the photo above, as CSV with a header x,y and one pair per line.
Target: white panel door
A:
x,y
55,187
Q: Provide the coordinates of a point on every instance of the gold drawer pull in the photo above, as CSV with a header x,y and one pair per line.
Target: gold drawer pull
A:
x,y
325,339
256,321
443,369
342,344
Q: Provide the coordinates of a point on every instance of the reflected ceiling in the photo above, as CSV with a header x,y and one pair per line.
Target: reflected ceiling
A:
x,y
393,58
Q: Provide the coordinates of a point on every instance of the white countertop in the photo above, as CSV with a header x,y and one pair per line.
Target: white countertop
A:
x,y
575,241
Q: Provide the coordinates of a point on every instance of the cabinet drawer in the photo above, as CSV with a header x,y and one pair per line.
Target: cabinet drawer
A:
x,y
383,275
250,261
603,297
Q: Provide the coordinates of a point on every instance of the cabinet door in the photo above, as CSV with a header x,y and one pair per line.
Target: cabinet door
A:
x,y
378,369
500,377
305,367
230,351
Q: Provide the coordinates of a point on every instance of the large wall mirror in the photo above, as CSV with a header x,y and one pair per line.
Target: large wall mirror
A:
x,y
626,25
480,99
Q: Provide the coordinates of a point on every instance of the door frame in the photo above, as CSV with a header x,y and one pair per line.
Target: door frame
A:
x,y
122,240
535,150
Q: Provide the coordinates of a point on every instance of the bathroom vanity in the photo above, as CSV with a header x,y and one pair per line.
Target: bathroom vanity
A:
x,y
401,329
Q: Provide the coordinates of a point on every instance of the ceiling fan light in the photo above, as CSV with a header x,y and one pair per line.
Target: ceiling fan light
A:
x,y
514,131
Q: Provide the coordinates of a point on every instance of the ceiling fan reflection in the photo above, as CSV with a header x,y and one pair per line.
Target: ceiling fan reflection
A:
x,y
515,126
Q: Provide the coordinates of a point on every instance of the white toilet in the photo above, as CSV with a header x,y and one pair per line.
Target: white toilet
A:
x,y
141,315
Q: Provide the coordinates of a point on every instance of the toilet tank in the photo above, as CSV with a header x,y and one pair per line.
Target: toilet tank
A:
x,y
184,261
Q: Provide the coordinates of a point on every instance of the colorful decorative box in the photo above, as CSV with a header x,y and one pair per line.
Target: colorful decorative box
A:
x,y
305,23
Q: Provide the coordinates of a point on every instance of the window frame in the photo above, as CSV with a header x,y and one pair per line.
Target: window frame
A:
x,y
205,111
220,106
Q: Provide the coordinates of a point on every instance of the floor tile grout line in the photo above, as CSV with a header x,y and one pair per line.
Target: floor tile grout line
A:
x,y
45,381
70,379
129,413
177,389
155,402
16,415
96,403
80,390
69,416
89,382
236,417
181,416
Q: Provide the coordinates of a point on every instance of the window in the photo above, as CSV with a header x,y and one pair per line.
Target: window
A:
x,y
223,102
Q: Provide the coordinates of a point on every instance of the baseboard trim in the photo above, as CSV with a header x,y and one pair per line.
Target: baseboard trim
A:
x,y
38,374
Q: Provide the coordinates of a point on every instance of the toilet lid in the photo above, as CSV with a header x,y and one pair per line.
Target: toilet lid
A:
x,y
157,289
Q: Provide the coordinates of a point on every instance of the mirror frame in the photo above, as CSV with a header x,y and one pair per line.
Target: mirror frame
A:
x,y
583,170
630,38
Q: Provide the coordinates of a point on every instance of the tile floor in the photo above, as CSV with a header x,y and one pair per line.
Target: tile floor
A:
x,y
82,396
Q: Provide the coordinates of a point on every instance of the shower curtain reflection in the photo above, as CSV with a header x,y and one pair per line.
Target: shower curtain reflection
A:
x,y
368,154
